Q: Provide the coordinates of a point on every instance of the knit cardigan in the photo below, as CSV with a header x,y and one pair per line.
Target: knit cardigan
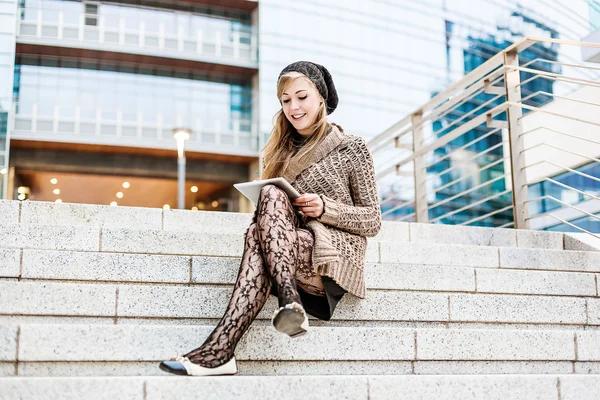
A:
x,y
340,170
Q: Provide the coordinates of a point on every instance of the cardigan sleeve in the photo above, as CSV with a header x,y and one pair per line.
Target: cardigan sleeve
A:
x,y
364,217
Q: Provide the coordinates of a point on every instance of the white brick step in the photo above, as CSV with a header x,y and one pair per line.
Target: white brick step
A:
x,y
135,343
489,387
118,267
304,367
231,245
209,301
132,218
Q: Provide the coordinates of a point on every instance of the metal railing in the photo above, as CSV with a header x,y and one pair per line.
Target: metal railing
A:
x,y
98,126
515,143
74,28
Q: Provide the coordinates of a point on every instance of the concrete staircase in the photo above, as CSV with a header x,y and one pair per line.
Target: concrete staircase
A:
x,y
92,297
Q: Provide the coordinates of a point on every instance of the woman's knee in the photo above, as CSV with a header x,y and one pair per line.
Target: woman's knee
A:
x,y
272,192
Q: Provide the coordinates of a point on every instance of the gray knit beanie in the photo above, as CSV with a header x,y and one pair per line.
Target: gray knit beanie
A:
x,y
318,75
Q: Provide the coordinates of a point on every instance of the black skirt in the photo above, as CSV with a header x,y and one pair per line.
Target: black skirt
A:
x,y
321,307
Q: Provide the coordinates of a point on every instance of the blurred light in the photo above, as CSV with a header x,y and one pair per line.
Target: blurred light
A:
x,y
194,208
22,189
21,196
56,191
126,185
215,203
194,189
58,201
113,203
181,134
166,207
3,171
54,181
120,195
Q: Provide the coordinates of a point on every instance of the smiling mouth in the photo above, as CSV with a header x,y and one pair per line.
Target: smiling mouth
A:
x,y
298,117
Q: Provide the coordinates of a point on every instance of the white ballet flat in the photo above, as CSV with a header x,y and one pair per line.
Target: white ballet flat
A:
x,y
183,366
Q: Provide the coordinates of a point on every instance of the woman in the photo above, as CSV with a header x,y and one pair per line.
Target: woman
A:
x,y
308,252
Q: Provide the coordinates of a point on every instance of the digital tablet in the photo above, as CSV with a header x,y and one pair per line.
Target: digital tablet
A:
x,y
252,189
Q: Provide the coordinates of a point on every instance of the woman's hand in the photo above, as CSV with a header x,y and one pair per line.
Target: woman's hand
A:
x,y
310,204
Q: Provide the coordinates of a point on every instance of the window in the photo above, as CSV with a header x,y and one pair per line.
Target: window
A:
x,y
91,14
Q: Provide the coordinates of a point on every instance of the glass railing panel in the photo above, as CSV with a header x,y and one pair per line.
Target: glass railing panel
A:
x,y
116,124
183,33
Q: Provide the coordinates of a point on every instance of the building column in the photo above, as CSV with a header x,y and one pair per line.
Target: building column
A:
x,y
8,32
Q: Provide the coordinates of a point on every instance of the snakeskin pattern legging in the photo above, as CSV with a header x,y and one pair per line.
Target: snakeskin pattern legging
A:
x,y
277,251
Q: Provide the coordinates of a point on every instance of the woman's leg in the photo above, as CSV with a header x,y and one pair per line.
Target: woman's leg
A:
x,y
278,241
306,277
277,223
250,293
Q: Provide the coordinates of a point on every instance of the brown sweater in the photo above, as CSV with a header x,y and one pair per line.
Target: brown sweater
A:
x,y
341,171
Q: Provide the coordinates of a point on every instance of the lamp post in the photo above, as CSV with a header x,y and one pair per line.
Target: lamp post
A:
x,y
181,135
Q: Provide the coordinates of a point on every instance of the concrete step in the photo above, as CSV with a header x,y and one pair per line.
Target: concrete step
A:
x,y
136,343
209,301
488,257
118,267
304,367
45,237
132,218
581,241
490,387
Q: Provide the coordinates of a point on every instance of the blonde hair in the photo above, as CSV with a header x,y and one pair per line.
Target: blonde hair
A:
x,y
280,147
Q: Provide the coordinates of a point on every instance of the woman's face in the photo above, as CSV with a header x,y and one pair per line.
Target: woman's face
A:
x,y
300,102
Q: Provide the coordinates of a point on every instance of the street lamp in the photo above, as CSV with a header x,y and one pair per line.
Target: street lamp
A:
x,y
181,135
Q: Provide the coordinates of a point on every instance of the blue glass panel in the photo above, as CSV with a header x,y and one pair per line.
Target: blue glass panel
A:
x,y
211,104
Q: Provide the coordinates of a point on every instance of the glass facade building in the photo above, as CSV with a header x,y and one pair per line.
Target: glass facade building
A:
x,y
482,145
126,96
587,182
131,91
387,57
49,90
97,89
113,79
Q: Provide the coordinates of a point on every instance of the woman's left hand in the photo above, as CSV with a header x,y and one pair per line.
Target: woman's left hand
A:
x,y
310,204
